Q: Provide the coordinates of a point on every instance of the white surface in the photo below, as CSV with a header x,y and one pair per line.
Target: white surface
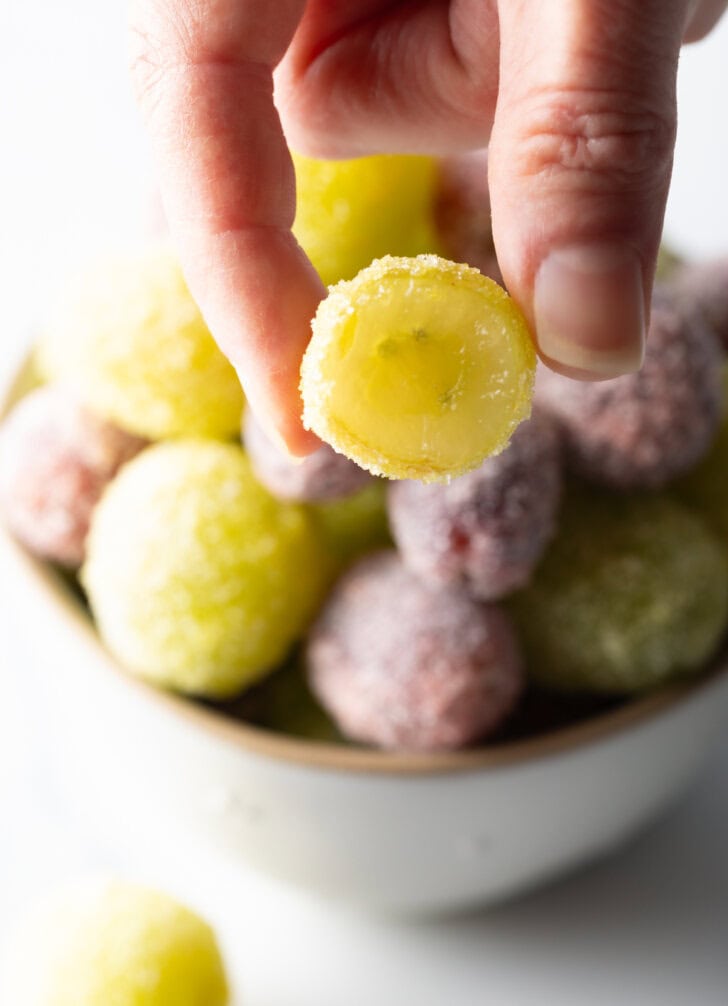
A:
x,y
648,926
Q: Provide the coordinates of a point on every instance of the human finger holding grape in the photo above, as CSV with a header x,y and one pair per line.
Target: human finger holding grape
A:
x,y
576,99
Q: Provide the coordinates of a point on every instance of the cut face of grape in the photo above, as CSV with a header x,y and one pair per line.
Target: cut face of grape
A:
x,y
418,368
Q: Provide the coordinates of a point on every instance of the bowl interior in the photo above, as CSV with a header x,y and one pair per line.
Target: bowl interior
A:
x,y
65,608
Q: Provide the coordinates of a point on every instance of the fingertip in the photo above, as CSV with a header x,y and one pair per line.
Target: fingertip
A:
x,y
589,310
284,427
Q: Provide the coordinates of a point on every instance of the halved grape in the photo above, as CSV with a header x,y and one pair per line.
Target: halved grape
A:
x,y
418,368
350,212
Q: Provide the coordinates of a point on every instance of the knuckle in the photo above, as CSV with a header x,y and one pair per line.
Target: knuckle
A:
x,y
606,141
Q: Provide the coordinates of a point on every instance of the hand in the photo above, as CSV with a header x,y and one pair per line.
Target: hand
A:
x,y
576,99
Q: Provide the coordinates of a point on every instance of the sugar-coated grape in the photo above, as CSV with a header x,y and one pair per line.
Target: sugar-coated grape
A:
x,y
705,487
353,526
703,287
199,579
485,530
407,666
462,212
131,342
284,703
56,457
115,944
323,475
350,212
632,593
642,430
668,262
418,368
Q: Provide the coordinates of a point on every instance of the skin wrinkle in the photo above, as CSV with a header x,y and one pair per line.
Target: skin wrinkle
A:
x,y
402,67
619,149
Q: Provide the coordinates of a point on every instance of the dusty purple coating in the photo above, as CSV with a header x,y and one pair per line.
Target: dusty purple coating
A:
x,y
643,430
56,458
703,287
462,212
323,475
485,530
403,665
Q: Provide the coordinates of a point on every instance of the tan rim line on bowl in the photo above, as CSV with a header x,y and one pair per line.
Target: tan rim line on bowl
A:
x,y
72,618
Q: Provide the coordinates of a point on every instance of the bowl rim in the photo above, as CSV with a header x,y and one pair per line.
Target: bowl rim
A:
x,y
331,756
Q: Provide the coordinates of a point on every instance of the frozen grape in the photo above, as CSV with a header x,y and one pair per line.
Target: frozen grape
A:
x,y
632,593
284,703
487,529
407,666
353,526
462,212
668,262
56,457
705,487
199,579
703,287
114,944
131,342
323,475
418,368
350,212
643,430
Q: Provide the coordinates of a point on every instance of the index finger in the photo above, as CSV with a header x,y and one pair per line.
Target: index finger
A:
x,y
203,72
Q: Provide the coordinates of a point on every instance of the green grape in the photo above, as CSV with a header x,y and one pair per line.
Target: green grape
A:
x,y
632,593
418,368
131,342
668,261
199,579
355,525
350,212
705,487
284,703
116,944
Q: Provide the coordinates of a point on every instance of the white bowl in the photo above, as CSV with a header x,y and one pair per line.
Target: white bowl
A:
x,y
405,833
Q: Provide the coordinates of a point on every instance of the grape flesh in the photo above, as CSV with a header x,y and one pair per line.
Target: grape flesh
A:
x,y
199,579
418,368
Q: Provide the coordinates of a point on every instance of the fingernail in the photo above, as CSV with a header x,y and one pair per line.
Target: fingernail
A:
x,y
589,309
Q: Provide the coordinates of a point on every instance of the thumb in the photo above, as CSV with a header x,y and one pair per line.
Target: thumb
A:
x,y
579,169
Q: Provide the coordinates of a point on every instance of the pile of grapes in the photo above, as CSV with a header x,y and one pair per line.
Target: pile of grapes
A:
x,y
477,550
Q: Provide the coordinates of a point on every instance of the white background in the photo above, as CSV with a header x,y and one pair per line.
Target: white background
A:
x,y
649,925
